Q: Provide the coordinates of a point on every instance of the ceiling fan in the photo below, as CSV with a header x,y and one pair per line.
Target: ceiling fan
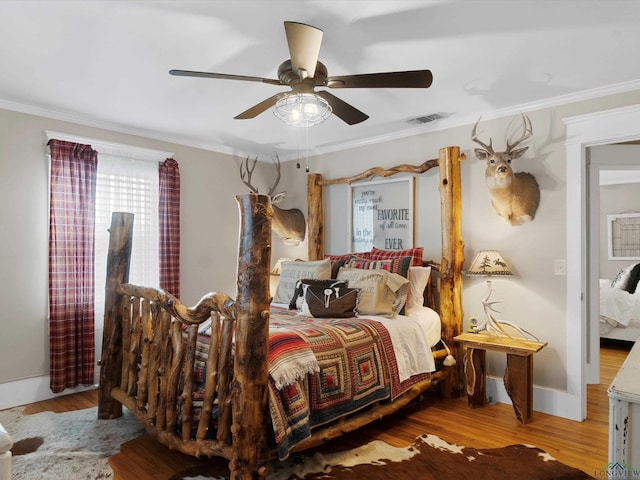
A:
x,y
303,72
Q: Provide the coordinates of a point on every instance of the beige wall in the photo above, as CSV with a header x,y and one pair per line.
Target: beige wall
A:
x,y
535,297
209,223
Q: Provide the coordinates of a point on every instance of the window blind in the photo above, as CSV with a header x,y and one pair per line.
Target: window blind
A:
x,y
127,185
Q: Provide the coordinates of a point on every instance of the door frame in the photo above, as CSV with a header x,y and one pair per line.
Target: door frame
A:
x,y
583,131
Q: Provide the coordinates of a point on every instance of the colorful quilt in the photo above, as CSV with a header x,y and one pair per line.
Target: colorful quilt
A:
x,y
322,369
357,367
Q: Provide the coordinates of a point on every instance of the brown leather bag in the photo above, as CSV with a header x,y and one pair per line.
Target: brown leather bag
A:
x,y
331,302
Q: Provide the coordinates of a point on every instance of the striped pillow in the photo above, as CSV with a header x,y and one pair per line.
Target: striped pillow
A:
x,y
338,261
394,265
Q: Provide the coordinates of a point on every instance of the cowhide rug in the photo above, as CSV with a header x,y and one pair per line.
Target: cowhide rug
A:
x,y
71,446
428,458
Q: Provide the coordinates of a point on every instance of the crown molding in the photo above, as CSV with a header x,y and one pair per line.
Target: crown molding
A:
x,y
462,120
446,123
114,127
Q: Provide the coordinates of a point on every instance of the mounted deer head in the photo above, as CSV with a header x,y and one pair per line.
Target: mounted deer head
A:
x,y
514,196
289,225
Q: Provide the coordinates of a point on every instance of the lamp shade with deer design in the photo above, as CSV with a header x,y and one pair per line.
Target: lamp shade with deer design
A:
x,y
489,262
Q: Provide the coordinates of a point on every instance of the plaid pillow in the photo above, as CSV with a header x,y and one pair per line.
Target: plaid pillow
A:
x,y
415,253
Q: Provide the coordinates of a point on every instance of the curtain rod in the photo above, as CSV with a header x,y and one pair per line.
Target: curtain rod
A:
x,y
112,148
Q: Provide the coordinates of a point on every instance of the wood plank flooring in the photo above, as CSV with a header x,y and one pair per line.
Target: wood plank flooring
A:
x,y
580,444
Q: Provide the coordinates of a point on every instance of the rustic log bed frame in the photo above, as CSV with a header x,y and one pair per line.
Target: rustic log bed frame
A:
x,y
144,352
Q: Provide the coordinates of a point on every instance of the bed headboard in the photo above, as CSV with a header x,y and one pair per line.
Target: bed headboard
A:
x,y
448,162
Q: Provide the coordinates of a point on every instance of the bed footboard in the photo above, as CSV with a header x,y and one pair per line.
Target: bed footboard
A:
x,y
149,351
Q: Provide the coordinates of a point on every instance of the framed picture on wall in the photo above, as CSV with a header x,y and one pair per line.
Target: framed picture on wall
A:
x,y
382,214
623,235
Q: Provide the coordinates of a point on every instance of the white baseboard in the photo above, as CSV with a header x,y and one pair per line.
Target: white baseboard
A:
x,y
546,400
29,390
552,402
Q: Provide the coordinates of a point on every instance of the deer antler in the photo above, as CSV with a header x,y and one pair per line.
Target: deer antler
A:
x,y
474,138
526,133
276,162
248,173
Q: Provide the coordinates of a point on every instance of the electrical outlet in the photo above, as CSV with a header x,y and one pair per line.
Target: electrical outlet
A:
x,y
560,267
473,323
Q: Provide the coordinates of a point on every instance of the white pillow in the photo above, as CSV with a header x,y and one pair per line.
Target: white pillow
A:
x,y
622,278
418,279
381,292
294,271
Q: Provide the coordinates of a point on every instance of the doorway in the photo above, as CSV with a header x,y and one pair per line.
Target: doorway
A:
x,y
582,132
611,168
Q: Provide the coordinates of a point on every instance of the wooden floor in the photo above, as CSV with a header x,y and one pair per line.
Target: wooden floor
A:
x,y
580,444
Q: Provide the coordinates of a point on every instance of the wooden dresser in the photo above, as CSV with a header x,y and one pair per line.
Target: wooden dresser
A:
x,y
624,413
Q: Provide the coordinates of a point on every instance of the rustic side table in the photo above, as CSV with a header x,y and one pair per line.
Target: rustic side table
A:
x,y
518,376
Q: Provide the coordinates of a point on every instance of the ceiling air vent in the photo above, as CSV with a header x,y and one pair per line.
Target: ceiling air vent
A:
x,y
428,118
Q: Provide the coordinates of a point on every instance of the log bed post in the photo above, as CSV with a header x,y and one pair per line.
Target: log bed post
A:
x,y
452,260
315,217
118,262
249,386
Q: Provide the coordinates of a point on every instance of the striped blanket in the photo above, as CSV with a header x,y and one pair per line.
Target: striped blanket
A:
x,y
290,358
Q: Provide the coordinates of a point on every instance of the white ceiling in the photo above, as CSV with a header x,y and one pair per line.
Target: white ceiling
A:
x,y
106,63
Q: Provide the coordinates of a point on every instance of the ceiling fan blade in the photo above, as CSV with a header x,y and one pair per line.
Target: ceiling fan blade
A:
x,y
408,79
341,109
224,76
304,46
259,108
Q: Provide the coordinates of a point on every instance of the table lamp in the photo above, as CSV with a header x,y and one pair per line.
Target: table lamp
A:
x,y
488,263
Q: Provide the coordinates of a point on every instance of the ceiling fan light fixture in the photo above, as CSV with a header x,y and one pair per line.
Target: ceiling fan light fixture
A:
x,y
302,109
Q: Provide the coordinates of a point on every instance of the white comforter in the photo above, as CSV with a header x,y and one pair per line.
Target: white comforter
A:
x,y
412,337
618,306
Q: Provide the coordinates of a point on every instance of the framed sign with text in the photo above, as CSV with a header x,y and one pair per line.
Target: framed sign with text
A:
x,y
381,214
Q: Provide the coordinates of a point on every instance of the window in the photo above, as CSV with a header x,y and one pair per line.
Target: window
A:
x,y
126,185
84,191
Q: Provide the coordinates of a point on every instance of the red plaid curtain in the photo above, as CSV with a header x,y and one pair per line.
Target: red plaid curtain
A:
x,y
71,264
169,211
